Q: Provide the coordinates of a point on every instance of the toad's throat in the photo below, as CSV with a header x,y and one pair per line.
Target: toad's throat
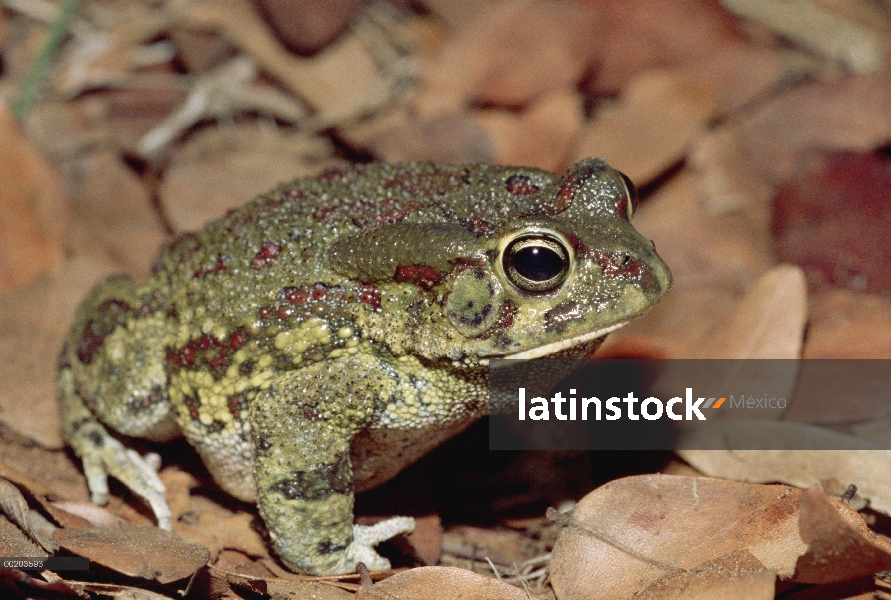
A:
x,y
557,346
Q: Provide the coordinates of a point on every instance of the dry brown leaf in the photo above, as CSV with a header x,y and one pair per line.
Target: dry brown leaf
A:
x,y
307,26
98,61
123,116
865,12
426,539
650,128
198,50
844,324
31,522
222,168
503,547
15,543
238,562
639,35
223,93
540,136
216,533
840,545
440,583
283,588
340,83
14,505
853,113
47,474
640,535
29,191
768,322
179,485
115,118
320,590
455,13
83,514
742,74
858,47
109,46
236,569
620,56
728,180
278,588
867,469
115,591
136,551
28,372
401,135
32,324
113,214
479,63
730,578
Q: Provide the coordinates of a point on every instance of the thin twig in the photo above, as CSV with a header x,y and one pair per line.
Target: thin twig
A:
x,y
36,73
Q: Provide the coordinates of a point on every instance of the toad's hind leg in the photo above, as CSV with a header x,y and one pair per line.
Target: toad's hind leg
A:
x,y
301,427
111,374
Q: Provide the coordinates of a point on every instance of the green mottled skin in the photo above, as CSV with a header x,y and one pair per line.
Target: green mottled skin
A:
x,y
332,331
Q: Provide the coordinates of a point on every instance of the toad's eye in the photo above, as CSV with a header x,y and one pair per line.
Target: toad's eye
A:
x,y
536,263
631,198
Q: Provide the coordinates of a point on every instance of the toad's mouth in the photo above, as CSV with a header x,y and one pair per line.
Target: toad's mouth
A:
x,y
557,346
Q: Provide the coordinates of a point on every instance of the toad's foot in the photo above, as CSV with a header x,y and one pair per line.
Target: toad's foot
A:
x,y
104,456
366,537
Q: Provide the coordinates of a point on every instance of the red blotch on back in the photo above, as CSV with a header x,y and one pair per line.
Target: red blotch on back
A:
x,y
521,185
108,316
421,275
267,254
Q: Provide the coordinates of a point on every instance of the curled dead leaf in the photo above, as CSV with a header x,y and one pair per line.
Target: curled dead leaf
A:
x,y
867,469
767,323
440,583
15,543
112,213
541,135
550,40
660,113
840,545
31,522
652,532
340,83
136,551
853,113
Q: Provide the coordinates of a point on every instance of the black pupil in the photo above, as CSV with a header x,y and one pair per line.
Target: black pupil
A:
x,y
537,263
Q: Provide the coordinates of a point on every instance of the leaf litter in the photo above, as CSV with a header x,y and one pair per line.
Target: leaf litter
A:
x,y
736,117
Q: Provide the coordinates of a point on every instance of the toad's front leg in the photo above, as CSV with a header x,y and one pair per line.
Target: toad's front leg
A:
x,y
301,427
